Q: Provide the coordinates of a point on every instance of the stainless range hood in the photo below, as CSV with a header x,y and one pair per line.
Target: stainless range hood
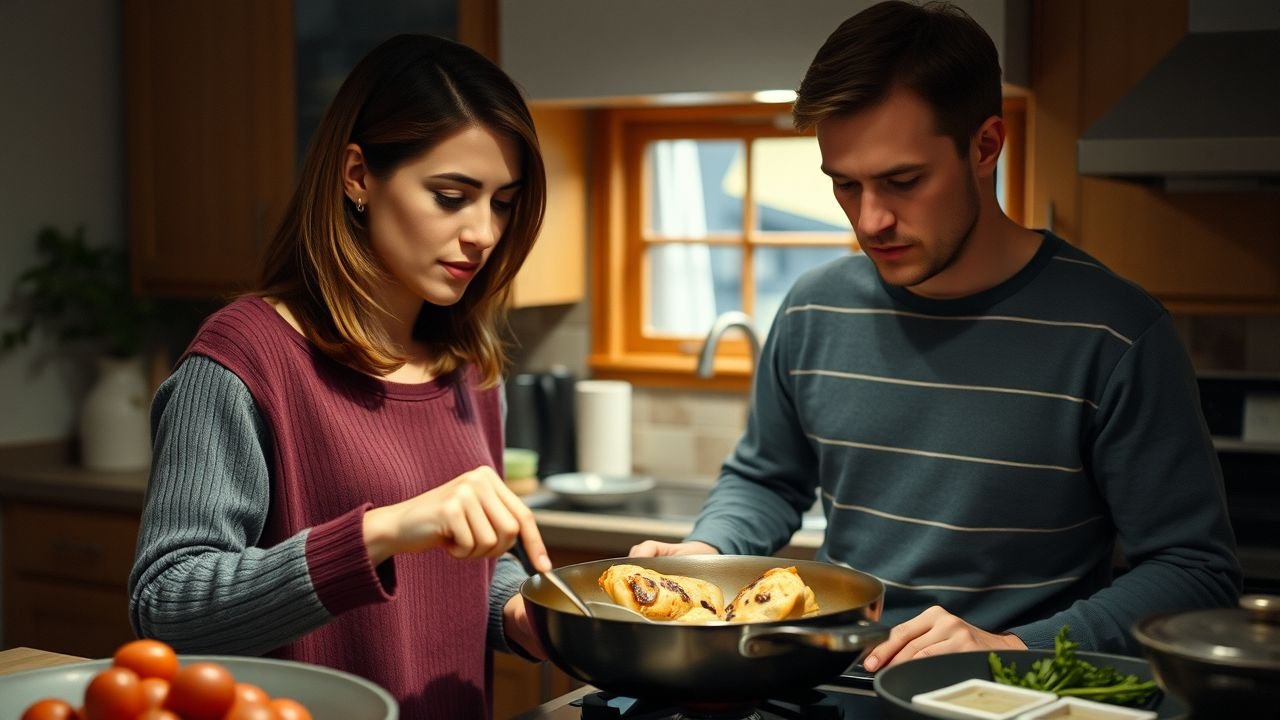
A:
x,y
1207,116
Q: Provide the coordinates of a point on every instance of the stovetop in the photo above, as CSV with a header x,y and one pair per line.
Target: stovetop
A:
x,y
826,702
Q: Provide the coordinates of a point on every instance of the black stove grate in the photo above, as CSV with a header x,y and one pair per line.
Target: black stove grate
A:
x,y
810,704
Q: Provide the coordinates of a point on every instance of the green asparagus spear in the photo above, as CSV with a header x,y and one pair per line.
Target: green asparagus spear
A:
x,y
1068,675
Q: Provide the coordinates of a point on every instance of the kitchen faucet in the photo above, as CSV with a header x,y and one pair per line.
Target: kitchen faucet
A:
x,y
723,322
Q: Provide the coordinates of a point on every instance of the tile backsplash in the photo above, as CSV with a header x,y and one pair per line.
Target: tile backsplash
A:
x,y
682,435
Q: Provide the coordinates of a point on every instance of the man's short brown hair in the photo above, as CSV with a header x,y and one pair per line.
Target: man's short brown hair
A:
x,y
934,50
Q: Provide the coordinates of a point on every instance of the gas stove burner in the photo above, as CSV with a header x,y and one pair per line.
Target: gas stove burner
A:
x,y
809,704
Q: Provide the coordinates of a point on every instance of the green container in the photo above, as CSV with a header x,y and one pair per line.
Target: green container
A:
x,y
520,463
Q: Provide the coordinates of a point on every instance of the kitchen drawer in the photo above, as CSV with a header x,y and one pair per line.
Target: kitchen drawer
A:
x,y
72,544
66,617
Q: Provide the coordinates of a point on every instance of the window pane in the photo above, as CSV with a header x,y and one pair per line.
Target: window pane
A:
x,y
687,185
777,269
691,283
791,193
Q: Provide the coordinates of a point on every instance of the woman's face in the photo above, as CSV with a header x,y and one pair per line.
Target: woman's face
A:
x,y
434,222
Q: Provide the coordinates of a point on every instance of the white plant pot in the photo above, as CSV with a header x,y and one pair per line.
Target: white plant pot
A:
x,y
114,431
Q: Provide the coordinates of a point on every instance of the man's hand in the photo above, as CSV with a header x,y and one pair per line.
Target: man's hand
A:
x,y
518,629
653,548
936,632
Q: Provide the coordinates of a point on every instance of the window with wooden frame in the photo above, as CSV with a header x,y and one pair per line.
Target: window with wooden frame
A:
x,y
700,211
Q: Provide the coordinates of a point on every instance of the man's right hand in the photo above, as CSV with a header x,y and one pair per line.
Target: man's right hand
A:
x,y
653,548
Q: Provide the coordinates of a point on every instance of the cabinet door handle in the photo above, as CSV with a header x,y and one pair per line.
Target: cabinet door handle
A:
x,y
1049,219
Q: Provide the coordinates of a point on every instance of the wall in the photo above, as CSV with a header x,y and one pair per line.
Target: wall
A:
x,y
63,159
622,48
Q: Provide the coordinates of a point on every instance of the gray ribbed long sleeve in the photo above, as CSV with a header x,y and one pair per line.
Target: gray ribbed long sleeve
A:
x,y
199,582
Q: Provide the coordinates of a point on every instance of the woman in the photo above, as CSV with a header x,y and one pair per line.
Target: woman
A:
x,y
323,486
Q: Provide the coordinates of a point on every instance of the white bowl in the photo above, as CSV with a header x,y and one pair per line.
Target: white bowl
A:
x,y
329,694
1073,707
978,699
596,490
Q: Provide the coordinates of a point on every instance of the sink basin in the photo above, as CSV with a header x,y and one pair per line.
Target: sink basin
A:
x,y
673,501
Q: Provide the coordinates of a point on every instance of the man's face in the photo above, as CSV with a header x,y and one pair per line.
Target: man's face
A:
x,y
912,199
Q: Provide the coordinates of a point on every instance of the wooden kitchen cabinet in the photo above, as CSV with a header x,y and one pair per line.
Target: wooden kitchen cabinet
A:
x,y
211,116
66,573
1198,253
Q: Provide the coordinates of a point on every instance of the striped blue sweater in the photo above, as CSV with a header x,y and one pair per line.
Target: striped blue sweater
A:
x,y
986,453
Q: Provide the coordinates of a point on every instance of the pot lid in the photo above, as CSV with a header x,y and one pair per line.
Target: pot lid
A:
x,y
1244,637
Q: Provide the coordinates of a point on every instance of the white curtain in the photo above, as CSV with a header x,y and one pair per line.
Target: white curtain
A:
x,y
683,297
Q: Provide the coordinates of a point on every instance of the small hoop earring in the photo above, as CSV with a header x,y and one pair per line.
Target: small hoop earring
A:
x,y
360,205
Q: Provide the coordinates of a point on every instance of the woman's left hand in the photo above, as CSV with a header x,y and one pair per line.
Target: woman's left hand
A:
x,y
516,625
936,632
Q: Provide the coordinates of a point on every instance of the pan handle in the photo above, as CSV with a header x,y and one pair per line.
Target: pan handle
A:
x,y
765,641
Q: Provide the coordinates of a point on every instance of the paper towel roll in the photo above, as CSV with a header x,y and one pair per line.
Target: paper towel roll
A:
x,y
604,426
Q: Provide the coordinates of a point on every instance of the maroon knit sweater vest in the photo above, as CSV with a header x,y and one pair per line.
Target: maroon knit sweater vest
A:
x,y
343,442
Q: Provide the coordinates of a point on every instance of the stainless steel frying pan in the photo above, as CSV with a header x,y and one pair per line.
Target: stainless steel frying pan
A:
x,y
709,664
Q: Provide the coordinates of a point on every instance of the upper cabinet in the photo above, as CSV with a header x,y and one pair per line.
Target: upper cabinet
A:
x,y
209,117
220,100
1198,252
621,51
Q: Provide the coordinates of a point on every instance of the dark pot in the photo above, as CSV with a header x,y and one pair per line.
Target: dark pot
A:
x,y
1223,662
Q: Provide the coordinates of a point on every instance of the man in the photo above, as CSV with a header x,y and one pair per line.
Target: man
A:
x,y
985,408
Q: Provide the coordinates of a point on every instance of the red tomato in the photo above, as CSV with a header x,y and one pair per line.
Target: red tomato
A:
x,y
114,694
154,691
247,693
148,658
157,714
251,711
201,691
50,709
287,709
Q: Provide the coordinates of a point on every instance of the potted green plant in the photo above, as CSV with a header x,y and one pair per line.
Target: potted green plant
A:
x,y
81,295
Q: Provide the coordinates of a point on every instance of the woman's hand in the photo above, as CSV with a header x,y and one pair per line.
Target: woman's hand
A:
x,y
474,515
653,548
936,632
518,629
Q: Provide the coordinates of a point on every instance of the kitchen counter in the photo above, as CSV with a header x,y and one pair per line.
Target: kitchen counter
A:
x,y
43,473
666,514
24,658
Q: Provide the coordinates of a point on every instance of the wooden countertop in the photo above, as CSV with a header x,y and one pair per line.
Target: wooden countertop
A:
x,y
23,658
45,473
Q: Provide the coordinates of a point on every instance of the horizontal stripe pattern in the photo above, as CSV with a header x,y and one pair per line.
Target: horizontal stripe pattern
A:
x,y
957,446
944,456
960,318
952,526
947,386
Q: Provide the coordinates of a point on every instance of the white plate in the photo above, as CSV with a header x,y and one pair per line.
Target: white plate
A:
x,y
329,694
596,490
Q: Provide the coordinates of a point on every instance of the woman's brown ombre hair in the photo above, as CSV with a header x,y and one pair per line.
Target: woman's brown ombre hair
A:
x,y
405,97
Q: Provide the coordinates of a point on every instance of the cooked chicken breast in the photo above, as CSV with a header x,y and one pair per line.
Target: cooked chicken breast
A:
x,y
662,597
778,594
